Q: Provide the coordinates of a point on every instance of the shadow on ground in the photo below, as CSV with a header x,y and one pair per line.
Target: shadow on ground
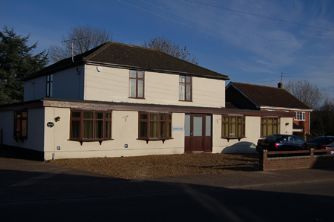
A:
x,y
32,196
20,153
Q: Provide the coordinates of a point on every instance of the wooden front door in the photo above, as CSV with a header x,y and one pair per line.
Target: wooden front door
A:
x,y
198,133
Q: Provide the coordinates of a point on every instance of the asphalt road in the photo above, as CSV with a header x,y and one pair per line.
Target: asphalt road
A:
x,y
37,191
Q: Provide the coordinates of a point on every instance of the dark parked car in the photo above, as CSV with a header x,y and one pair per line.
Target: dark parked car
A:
x,y
279,142
330,148
320,142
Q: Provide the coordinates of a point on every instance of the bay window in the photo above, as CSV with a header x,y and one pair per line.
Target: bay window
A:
x,y
90,125
233,127
154,126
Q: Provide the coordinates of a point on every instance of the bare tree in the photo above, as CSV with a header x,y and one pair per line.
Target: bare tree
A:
x,y
306,92
173,49
84,38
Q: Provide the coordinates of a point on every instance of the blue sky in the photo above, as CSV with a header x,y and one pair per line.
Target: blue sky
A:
x,y
249,40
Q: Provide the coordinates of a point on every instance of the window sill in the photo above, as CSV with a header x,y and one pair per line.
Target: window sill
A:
x,y
185,100
155,139
85,140
136,97
233,138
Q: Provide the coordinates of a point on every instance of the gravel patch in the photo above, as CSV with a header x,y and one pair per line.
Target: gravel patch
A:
x,y
157,166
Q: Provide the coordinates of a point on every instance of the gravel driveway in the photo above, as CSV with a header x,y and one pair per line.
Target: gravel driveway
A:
x,y
146,167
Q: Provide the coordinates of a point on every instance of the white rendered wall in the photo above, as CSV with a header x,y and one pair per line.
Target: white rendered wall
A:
x,y
252,134
35,138
124,131
67,84
112,84
35,89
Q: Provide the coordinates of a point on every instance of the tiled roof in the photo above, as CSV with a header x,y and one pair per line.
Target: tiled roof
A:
x,y
132,57
268,96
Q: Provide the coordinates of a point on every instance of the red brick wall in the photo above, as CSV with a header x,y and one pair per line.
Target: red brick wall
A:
x,y
297,162
307,129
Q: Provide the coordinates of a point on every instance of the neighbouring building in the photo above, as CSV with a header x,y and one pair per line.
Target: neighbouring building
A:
x,y
258,97
121,100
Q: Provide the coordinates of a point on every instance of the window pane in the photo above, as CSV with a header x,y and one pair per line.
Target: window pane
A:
x,y
208,126
107,130
163,128
140,74
182,79
232,127
75,114
143,129
188,92
133,74
108,116
88,115
188,79
154,129
143,116
187,125
132,87
99,129
99,115
88,129
24,128
182,92
140,88
75,127
197,126
24,114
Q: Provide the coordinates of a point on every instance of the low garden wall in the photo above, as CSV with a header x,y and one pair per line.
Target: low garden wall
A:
x,y
301,159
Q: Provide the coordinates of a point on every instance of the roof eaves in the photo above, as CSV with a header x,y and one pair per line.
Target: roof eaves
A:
x,y
114,65
242,93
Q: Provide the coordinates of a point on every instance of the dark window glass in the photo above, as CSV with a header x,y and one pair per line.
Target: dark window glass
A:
x,y
90,125
21,125
233,126
269,126
136,82
154,125
49,85
185,88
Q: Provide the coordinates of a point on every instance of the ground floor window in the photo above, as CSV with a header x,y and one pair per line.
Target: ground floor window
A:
x,y
154,126
21,125
90,125
233,127
269,126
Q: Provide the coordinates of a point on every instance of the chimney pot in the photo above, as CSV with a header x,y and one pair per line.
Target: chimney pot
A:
x,y
280,85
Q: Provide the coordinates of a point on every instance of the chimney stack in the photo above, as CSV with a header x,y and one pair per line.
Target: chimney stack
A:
x,y
280,85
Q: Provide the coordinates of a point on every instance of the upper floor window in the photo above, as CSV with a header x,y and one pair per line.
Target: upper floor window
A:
x,y
300,116
185,88
137,82
49,85
90,125
233,127
21,125
269,126
154,126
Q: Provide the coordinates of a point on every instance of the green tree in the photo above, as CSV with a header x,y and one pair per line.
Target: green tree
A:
x,y
17,60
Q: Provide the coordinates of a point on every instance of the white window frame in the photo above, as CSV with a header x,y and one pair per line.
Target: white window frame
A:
x,y
300,116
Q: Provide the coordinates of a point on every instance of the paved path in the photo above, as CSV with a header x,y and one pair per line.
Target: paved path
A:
x,y
39,191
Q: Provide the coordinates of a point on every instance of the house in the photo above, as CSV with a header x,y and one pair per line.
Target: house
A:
x,y
257,97
122,100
